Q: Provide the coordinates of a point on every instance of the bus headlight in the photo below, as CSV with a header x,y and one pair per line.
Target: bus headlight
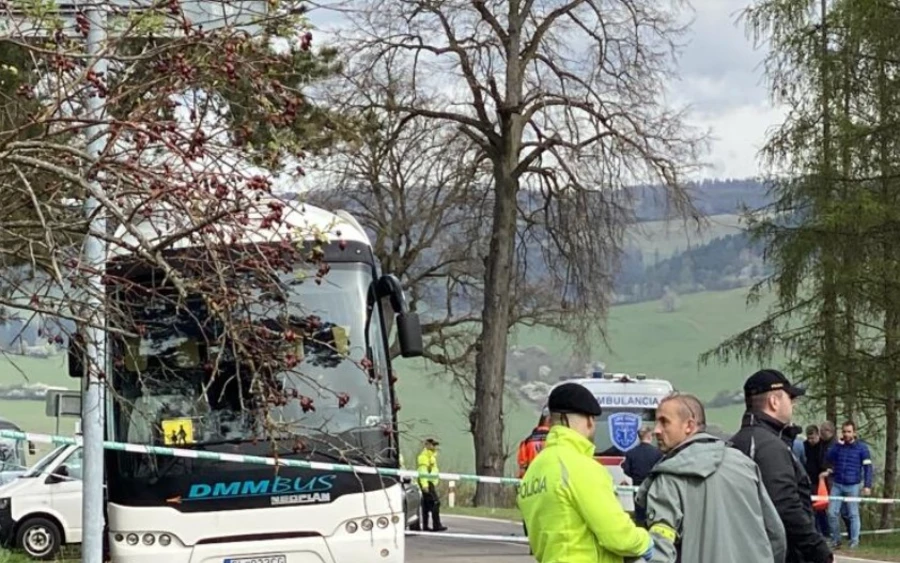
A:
x,y
367,524
165,540
352,527
132,539
149,539
382,522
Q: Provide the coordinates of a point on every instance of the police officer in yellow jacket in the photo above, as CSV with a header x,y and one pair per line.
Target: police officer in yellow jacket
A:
x,y
568,499
431,502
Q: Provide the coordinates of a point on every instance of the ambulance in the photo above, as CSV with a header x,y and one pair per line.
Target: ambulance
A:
x,y
628,403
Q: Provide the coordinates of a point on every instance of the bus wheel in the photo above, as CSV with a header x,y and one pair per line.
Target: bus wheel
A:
x,y
39,538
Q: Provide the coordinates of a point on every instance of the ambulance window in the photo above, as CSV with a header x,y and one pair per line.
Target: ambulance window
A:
x,y
604,443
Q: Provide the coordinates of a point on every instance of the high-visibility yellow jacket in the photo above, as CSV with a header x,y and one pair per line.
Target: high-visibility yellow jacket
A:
x,y
570,508
427,463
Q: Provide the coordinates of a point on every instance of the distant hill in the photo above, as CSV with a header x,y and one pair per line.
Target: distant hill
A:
x,y
656,235
711,197
726,262
650,265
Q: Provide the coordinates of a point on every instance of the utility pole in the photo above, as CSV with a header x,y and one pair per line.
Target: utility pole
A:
x,y
93,401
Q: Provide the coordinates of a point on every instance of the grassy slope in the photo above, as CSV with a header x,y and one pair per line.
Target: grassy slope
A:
x,y
642,339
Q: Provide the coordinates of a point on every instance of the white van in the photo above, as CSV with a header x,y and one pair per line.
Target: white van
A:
x,y
40,511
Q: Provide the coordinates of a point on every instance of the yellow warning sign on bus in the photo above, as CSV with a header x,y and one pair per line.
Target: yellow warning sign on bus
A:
x,y
178,431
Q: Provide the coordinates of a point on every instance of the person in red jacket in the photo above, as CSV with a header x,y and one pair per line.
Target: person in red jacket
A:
x,y
531,446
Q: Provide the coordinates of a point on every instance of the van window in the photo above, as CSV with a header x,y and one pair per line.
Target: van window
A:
x,y
42,464
75,464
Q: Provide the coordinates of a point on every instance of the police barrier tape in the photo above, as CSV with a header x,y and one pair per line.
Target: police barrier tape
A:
x,y
320,465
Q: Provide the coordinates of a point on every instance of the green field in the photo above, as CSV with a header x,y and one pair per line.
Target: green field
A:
x,y
644,340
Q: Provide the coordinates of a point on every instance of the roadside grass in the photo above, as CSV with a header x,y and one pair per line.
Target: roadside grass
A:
x,y
881,547
67,556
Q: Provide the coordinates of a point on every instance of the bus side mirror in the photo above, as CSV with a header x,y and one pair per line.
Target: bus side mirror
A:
x,y
76,355
409,329
409,332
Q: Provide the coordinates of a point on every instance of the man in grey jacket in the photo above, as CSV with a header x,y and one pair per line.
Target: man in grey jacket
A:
x,y
705,501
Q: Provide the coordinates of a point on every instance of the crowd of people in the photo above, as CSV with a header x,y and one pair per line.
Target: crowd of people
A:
x,y
700,498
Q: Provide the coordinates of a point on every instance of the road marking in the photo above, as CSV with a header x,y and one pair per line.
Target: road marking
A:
x,y
471,537
482,518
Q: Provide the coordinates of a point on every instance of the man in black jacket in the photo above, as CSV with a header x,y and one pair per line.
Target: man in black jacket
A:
x,y
638,463
815,449
766,436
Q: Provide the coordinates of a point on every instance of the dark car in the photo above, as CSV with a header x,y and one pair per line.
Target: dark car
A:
x,y
412,501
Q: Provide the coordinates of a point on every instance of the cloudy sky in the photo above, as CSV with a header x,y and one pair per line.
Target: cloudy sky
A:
x,y
722,81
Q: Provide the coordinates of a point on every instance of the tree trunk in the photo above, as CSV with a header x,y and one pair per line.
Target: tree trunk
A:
x,y
490,363
490,368
830,297
891,301
890,454
850,260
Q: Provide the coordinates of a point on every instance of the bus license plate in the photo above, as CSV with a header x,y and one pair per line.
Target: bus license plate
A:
x,y
258,559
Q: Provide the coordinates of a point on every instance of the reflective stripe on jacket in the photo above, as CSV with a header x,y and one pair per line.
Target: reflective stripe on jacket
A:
x,y
569,504
851,463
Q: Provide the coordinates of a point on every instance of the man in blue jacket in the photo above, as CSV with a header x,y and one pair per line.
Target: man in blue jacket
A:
x,y
851,468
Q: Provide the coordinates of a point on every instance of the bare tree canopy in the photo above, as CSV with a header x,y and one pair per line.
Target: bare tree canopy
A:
x,y
212,294
565,101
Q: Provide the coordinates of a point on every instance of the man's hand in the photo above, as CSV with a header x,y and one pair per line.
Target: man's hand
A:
x,y
648,555
866,491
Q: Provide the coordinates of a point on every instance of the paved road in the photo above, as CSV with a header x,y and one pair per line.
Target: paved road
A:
x,y
424,549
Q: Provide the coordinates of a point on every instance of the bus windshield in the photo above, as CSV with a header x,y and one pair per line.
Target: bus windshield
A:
x,y
307,364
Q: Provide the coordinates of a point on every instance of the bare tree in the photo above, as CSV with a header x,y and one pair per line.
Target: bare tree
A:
x,y
563,98
419,188
199,250
422,190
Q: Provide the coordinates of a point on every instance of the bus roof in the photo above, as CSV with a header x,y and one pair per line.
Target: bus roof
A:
x,y
620,390
298,220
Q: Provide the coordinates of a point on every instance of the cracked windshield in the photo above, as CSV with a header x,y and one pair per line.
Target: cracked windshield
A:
x,y
316,338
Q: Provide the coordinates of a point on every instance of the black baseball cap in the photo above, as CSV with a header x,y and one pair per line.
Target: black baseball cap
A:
x,y
766,380
573,398
432,442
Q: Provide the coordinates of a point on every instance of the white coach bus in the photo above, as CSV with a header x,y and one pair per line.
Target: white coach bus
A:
x,y
163,393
